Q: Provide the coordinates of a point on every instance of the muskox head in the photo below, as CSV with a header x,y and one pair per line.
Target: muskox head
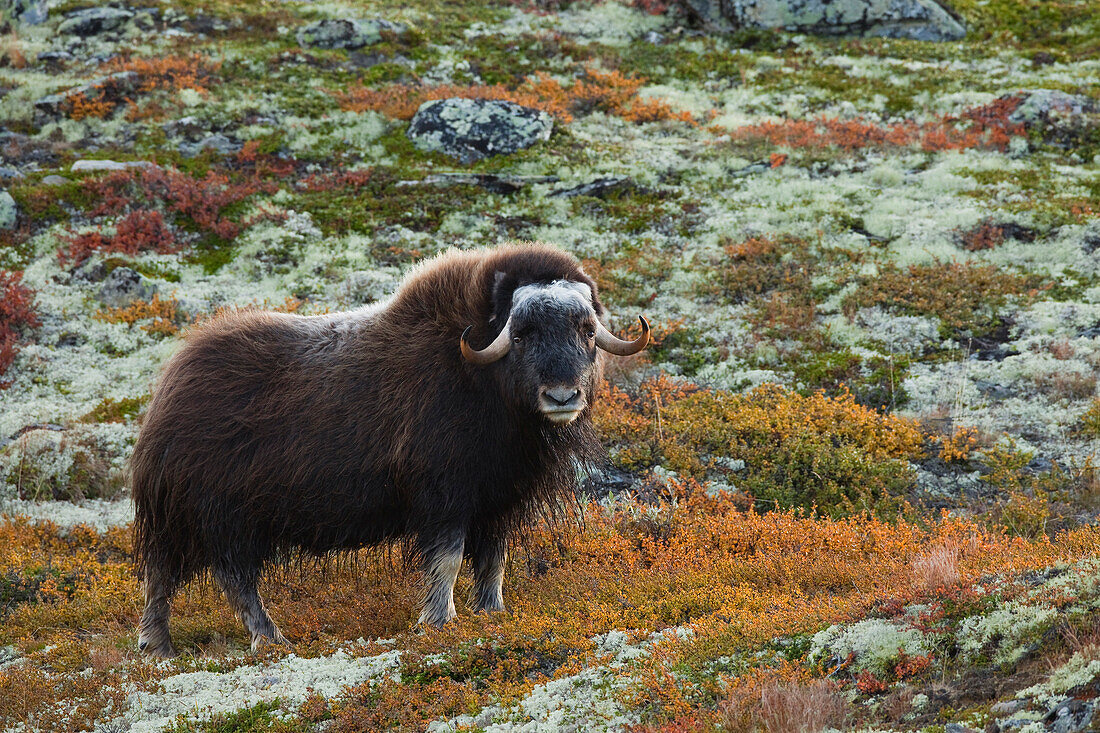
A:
x,y
548,348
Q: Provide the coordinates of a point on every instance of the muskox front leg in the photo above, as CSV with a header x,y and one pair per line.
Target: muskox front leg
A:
x,y
489,557
153,636
239,586
442,558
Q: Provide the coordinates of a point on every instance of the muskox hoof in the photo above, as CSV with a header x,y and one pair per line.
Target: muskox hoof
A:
x,y
489,607
158,650
436,617
262,641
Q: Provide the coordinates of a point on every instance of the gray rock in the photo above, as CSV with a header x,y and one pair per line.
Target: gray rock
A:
x,y
1069,716
6,172
472,129
1057,117
346,33
9,212
54,180
93,21
217,142
30,12
123,286
919,20
958,728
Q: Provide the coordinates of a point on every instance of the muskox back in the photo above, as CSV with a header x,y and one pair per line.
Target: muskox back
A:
x,y
272,434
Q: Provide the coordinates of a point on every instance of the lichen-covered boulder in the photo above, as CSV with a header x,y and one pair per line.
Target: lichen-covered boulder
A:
x,y
1057,117
471,129
112,87
919,20
123,286
9,212
346,33
93,21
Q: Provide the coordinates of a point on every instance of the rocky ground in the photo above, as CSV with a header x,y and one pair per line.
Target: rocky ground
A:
x,y
853,485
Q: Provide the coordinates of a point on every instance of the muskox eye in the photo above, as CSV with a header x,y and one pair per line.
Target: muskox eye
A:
x,y
591,334
516,339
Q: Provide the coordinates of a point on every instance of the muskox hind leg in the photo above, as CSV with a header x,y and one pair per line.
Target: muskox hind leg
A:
x,y
442,557
239,586
153,636
489,559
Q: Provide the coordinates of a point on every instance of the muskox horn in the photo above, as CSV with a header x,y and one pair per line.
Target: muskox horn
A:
x,y
490,353
611,343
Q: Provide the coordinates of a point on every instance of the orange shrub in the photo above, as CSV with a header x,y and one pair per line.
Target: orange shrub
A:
x,y
610,92
986,127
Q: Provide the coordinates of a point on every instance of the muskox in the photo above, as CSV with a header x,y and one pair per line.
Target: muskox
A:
x,y
441,418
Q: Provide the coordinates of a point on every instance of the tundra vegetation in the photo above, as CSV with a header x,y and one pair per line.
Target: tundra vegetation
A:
x,y
853,484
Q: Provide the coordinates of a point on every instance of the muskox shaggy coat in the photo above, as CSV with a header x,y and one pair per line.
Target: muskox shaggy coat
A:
x,y
271,435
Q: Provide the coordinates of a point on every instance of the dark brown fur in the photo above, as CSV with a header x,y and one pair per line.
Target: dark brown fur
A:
x,y
271,435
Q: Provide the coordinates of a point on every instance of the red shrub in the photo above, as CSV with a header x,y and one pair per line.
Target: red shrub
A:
x,y
139,231
868,684
16,312
207,202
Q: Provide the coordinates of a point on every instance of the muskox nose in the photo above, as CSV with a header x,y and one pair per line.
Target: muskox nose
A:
x,y
561,396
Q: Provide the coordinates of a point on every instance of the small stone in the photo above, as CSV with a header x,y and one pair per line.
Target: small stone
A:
x,y
472,129
9,212
6,172
55,56
346,33
1008,707
958,728
598,188
86,166
123,286
8,655
93,21
28,12
217,142
54,180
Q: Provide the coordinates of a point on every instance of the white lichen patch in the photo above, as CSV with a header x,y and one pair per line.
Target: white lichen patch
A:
x,y
201,695
100,514
874,642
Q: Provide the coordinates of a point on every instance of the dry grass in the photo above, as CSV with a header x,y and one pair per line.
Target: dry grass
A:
x,y
937,568
802,708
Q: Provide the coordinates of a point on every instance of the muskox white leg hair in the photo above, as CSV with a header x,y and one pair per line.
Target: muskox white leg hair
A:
x,y
153,636
441,566
241,594
488,592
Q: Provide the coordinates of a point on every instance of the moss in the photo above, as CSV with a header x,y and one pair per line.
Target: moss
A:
x,y
687,348
1069,27
875,382
379,200
110,410
266,717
